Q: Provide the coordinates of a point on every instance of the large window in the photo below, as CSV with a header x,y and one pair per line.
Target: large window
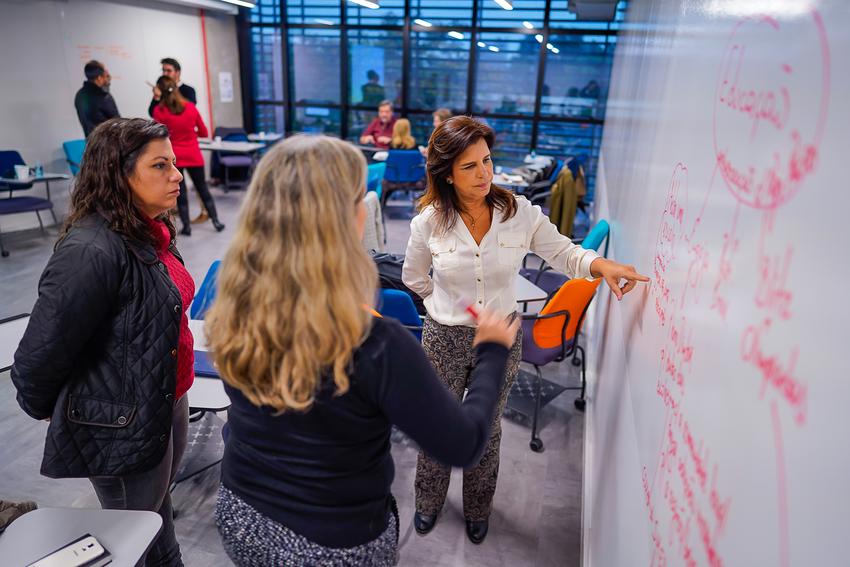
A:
x,y
539,78
439,69
314,61
374,67
577,71
506,82
268,64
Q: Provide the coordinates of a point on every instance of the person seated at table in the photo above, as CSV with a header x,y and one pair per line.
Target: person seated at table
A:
x,y
440,115
402,140
379,132
316,380
107,356
185,126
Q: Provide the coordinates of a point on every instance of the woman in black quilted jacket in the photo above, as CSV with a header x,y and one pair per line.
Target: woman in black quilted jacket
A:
x,y
107,356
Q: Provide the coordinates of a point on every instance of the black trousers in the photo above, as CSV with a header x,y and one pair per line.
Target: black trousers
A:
x,y
200,182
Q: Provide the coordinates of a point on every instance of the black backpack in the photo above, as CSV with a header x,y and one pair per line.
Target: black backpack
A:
x,y
389,273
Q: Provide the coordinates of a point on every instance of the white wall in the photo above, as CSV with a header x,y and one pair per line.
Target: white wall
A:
x,y
717,423
45,43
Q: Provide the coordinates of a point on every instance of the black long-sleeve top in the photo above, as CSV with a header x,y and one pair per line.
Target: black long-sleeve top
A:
x,y
94,105
326,474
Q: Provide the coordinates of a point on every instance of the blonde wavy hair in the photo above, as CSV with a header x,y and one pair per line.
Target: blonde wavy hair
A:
x,y
295,281
401,135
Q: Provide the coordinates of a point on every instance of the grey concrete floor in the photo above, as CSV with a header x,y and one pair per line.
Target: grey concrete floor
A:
x,y
537,508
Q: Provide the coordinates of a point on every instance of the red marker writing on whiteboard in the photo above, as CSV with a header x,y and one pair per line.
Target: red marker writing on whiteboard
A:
x,y
466,305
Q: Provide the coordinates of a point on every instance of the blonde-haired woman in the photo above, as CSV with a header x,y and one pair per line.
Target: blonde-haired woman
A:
x,y
316,381
402,140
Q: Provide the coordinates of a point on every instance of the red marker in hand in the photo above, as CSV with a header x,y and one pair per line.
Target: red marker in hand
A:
x,y
466,305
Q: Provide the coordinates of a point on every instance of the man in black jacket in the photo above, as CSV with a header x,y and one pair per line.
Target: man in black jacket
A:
x,y
171,69
93,102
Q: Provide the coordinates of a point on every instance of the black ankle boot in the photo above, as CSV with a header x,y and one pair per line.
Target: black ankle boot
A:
x,y
477,531
424,523
186,230
217,225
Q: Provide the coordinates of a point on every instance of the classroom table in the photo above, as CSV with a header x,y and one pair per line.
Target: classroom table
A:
x,y
126,534
11,331
265,137
503,181
207,394
11,184
229,146
197,328
527,291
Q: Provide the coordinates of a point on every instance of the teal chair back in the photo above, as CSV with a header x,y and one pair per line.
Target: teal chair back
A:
x,y
375,176
74,154
594,238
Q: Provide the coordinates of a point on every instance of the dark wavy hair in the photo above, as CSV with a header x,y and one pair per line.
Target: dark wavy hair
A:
x,y
103,186
450,139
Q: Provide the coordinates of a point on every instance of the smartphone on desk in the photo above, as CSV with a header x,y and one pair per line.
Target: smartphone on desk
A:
x,y
85,551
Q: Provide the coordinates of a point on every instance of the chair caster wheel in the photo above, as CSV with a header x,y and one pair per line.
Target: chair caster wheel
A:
x,y
5,253
576,362
580,403
536,445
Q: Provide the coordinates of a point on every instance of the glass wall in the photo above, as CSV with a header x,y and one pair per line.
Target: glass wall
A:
x,y
537,74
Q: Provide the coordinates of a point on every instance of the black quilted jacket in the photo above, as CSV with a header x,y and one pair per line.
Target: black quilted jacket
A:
x,y
99,356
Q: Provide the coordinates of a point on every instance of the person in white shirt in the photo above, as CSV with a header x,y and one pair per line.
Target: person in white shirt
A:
x,y
452,264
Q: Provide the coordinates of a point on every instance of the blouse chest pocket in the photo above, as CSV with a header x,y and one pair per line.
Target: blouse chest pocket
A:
x,y
512,248
444,253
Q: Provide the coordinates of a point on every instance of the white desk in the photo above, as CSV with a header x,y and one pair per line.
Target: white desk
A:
x,y
197,328
11,333
208,394
505,181
228,146
126,534
265,137
527,291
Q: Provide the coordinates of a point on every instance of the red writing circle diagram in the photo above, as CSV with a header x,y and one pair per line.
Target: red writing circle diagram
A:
x,y
770,107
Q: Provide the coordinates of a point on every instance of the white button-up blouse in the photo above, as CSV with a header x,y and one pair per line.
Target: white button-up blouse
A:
x,y
483,274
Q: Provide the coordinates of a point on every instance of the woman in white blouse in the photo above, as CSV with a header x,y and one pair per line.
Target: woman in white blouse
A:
x,y
452,264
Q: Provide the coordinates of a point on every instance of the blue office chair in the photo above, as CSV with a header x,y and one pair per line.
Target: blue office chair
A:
x,y
398,305
551,281
375,178
74,150
206,294
405,172
13,205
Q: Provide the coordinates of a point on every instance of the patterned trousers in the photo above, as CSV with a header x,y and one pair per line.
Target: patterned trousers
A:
x,y
450,351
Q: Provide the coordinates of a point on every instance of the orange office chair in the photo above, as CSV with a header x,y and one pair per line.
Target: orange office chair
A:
x,y
552,336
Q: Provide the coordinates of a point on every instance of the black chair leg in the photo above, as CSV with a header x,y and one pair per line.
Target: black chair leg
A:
x,y
53,214
3,252
536,444
40,224
580,401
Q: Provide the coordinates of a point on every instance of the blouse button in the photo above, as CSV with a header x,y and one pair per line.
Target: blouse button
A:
x,y
477,255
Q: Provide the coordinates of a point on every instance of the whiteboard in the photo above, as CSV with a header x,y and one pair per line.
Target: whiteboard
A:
x,y
718,426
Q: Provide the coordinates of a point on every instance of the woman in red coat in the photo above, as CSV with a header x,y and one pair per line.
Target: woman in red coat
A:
x,y
185,125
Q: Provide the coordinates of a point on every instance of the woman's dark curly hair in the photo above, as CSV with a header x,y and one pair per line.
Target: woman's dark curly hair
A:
x,y
103,186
